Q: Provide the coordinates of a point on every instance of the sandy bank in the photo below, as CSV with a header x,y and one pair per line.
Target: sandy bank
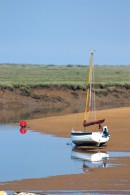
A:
x,y
117,120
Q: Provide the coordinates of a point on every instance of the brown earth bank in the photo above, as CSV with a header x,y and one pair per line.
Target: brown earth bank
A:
x,y
22,102
115,180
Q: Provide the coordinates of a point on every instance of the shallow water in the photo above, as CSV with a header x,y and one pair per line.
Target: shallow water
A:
x,y
11,113
75,192
37,155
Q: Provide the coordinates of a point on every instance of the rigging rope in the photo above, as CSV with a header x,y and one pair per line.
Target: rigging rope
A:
x,y
94,96
75,120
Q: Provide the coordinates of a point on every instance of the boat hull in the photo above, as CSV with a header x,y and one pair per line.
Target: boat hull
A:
x,y
89,139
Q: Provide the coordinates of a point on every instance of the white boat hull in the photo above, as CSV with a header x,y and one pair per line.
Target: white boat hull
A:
x,y
89,139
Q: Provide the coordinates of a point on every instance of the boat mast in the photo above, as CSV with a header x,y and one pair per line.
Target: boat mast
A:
x,y
87,107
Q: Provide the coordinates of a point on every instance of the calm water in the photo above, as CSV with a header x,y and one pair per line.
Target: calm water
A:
x,y
36,155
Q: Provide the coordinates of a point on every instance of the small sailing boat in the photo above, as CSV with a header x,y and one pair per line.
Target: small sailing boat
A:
x,y
100,135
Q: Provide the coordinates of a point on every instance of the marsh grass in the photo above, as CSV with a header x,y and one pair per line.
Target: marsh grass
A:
x,y
34,75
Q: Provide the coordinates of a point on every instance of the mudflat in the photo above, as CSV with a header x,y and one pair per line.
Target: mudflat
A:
x,y
112,179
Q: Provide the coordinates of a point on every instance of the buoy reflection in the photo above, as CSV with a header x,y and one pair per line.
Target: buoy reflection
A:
x,y
23,131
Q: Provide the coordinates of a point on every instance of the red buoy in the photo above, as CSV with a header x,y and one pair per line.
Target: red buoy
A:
x,y
23,124
23,131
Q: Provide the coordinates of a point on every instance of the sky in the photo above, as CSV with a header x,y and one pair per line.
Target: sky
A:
x,y
63,32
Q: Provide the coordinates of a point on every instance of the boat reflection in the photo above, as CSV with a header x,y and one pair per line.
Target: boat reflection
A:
x,y
90,159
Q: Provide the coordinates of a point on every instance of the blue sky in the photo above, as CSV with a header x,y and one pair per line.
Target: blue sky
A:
x,y
65,31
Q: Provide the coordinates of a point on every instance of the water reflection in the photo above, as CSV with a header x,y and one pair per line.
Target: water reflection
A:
x,y
17,114
38,155
90,158
14,113
23,131
32,155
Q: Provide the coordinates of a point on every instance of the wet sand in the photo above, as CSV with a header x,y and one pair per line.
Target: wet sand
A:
x,y
112,179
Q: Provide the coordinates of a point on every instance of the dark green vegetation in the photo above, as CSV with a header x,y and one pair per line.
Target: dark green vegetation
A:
x,y
13,75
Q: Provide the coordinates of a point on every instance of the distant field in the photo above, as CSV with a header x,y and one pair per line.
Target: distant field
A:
x,y
13,74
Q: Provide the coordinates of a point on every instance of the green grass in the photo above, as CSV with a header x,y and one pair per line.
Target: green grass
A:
x,y
33,75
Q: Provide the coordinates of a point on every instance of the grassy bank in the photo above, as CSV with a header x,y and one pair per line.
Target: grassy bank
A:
x,y
33,75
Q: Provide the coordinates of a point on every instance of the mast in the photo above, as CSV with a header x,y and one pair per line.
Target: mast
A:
x,y
87,107
89,96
